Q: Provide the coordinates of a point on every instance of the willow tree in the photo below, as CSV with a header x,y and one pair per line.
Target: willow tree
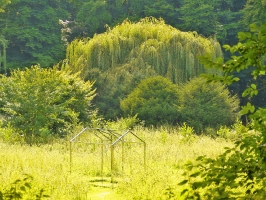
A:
x,y
122,56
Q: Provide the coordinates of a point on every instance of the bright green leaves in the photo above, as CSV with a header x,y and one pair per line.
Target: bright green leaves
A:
x,y
41,102
238,173
244,35
229,176
23,189
251,91
248,108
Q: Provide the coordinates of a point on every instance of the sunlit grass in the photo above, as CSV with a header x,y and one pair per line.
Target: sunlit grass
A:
x,y
49,164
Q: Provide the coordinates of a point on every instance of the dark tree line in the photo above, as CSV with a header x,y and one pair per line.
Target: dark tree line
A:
x,y
34,33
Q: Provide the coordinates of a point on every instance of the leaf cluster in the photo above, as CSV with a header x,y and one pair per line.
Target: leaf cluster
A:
x,y
32,30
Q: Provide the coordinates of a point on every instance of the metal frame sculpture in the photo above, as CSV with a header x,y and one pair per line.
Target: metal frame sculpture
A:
x,y
111,138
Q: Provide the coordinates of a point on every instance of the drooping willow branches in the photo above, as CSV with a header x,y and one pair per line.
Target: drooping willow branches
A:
x,y
149,43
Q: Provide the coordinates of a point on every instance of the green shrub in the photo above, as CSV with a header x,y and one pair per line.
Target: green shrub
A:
x,y
153,100
122,123
187,133
235,132
38,102
203,105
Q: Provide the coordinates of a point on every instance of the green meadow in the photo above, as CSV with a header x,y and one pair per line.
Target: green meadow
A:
x,y
90,175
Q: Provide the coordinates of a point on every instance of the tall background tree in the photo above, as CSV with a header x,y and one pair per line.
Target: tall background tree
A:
x,y
122,56
212,17
33,33
254,12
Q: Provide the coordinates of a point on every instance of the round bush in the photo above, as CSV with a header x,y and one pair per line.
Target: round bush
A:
x,y
153,100
203,105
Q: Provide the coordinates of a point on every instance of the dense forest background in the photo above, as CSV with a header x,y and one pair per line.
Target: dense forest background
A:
x,y
38,32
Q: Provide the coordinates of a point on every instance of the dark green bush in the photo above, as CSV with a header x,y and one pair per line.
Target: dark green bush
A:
x,y
153,100
203,105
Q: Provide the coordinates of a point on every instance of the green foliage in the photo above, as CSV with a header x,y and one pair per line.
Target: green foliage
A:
x,y
119,58
41,102
22,189
32,30
186,132
254,12
212,17
9,134
3,3
153,100
3,46
239,173
122,123
148,43
115,84
235,132
203,105
93,16
207,17
196,15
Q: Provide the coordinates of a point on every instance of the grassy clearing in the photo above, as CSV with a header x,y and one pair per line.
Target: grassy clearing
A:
x,y
167,151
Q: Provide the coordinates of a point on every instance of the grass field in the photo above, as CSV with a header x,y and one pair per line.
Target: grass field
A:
x,y
49,165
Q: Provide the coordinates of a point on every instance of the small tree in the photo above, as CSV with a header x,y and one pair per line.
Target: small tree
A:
x,y
153,100
40,102
203,105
